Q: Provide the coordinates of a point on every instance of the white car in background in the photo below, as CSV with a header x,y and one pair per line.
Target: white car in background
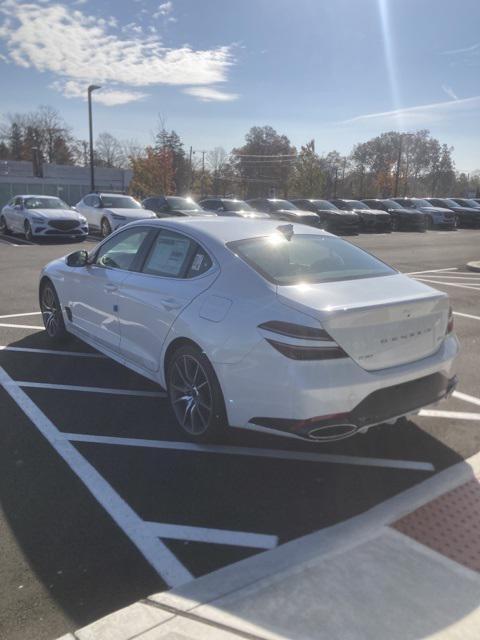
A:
x,y
42,216
281,328
106,212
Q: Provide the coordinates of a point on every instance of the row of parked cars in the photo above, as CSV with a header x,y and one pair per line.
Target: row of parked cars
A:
x,y
49,216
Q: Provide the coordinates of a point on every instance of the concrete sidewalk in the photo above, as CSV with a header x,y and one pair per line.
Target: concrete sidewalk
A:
x,y
405,570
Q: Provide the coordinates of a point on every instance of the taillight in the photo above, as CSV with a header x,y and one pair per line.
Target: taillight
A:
x,y
330,351
450,321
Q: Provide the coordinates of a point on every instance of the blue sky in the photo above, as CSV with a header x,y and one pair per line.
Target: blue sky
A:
x,y
339,71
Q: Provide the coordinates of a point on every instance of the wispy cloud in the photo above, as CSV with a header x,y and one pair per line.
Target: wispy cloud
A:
x,y
163,10
79,49
209,94
471,49
419,115
449,91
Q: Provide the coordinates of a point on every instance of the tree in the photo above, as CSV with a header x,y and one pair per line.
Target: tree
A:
x,y
170,141
264,161
152,173
308,177
109,151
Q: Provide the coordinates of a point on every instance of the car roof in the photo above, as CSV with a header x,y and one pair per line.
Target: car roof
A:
x,y
34,195
220,230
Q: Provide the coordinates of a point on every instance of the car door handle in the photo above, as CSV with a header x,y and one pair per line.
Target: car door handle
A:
x,y
110,288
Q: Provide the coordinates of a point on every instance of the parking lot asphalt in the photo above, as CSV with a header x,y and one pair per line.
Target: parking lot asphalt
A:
x,y
103,502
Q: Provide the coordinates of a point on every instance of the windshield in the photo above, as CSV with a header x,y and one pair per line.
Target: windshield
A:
x,y
324,204
422,203
236,205
356,204
278,205
120,202
449,202
182,204
45,203
307,259
391,204
470,203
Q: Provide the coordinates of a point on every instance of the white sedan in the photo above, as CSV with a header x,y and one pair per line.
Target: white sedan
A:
x,y
280,328
107,212
42,216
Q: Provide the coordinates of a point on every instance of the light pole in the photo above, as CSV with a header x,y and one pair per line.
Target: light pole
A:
x,y
91,88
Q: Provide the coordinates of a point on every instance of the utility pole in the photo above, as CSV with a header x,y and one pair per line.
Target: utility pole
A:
x,y
203,172
191,170
91,88
399,160
335,182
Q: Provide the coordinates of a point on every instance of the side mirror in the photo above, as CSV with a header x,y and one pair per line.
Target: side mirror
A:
x,y
77,259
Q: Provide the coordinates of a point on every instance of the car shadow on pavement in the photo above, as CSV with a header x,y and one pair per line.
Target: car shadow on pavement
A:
x,y
75,564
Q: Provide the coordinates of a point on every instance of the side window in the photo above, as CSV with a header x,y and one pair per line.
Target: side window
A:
x,y
120,252
200,263
96,201
19,201
87,200
171,256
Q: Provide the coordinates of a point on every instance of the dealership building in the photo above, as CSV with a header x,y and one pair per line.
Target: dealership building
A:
x,y
65,181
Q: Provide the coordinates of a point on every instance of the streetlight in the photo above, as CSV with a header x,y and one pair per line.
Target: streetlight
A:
x,y
91,88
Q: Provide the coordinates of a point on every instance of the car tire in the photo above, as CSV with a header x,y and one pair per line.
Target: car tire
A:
x,y
27,230
195,395
4,227
52,312
105,228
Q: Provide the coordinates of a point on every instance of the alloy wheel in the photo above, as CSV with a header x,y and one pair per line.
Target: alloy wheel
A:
x,y
50,311
28,231
191,395
3,226
106,229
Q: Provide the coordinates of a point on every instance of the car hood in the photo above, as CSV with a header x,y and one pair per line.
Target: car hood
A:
x,y
405,210
134,214
193,212
374,212
55,214
465,210
435,210
296,212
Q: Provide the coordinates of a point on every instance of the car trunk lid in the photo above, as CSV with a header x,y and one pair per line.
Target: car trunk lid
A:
x,y
379,322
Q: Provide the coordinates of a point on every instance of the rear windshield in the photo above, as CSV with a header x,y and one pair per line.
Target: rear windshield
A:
x,y
307,258
236,205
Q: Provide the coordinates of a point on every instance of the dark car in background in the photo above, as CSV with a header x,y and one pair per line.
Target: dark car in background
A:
x,y
403,218
167,206
285,210
331,217
231,207
466,216
467,202
438,217
371,219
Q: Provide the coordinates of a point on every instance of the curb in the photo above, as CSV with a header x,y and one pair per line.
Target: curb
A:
x,y
473,266
182,601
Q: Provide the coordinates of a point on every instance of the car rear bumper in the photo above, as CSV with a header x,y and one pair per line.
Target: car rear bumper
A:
x,y
279,394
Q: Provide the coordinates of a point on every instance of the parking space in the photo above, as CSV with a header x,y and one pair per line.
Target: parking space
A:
x,y
103,501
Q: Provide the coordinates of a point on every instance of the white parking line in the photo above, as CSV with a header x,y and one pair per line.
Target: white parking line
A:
x,y
446,276
450,284
466,315
452,415
214,536
22,326
466,397
411,273
54,352
257,452
73,387
18,315
152,548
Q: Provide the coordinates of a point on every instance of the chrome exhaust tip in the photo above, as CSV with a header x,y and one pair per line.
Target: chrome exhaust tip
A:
x,y
329,433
